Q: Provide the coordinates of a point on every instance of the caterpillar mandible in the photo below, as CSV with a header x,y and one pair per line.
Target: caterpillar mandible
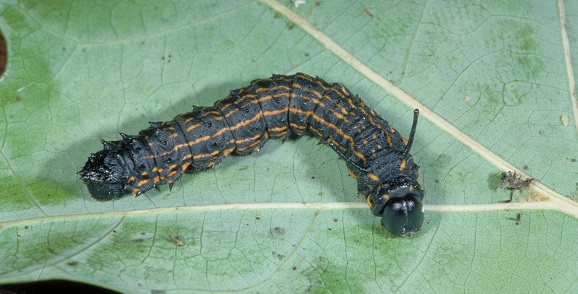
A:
x,y
375,153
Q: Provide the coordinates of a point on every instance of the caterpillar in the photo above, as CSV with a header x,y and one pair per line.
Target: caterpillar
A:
x,y
240,124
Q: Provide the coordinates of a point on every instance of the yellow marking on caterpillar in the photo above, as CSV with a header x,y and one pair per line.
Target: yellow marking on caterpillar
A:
x,y
259,90
367,199
331,141
269,97
255,137
185,166
373,177
143,182
402,165
316,93
352,174
246,122
339,115
275,112
388,138
278,129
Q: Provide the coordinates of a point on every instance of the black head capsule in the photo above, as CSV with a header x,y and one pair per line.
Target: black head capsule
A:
x,y
403,216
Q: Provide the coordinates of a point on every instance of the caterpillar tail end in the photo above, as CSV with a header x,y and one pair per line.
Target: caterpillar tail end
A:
x,y
103,176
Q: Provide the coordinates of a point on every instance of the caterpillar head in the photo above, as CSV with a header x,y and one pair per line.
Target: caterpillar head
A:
x,y
104,175
403,213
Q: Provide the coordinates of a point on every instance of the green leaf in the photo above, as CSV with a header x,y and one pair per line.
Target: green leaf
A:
x,y
495,83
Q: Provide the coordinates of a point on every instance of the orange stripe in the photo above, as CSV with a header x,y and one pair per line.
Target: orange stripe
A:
x,y
402,165
245,122
257,136
259,90
185,166
373,177
143,182
335,128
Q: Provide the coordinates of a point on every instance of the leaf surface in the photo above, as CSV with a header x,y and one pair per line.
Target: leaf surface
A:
x,y
494,83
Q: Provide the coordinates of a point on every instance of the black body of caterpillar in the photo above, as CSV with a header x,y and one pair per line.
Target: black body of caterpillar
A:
x,y
375,153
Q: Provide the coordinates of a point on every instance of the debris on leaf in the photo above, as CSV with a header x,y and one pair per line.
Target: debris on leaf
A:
x,y
513,181
176,240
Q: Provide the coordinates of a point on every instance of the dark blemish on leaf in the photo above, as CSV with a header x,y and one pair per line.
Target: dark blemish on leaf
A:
x,y
516,219
72,263
26,227
294,268
276,232
257,218
158,291
138,240
277,255
335,220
